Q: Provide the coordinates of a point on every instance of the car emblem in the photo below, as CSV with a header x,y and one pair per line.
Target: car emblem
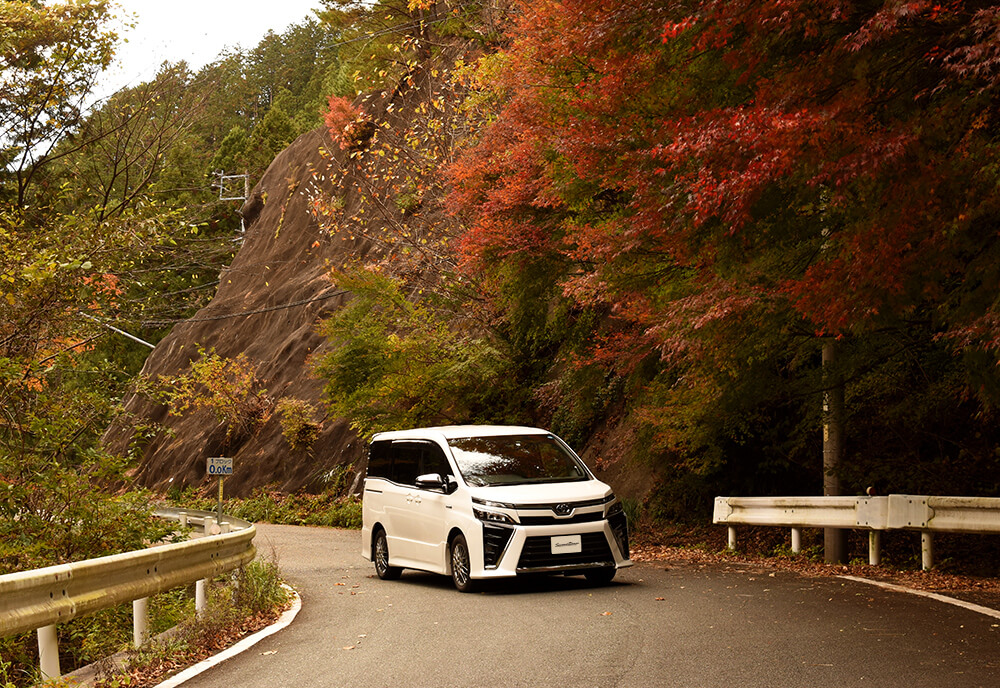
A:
x,y
563,509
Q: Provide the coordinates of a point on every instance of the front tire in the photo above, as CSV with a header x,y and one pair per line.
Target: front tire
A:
x,y
460,566
380,555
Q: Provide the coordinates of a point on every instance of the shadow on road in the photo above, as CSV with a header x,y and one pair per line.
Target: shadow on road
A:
x,y
522,585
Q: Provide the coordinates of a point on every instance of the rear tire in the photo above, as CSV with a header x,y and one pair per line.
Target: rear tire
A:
x,y
380,555
600,576
460,566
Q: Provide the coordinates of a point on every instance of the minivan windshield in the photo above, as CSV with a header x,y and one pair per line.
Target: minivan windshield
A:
x,y
515,460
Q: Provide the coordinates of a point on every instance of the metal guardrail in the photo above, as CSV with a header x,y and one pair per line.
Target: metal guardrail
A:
x,y
42,598
925,514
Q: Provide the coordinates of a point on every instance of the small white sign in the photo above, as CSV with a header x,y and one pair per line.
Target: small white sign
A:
x,y
567,544
220,465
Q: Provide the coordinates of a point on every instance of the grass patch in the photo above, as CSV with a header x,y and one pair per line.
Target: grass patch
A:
x,y
88,639
271,506
238,604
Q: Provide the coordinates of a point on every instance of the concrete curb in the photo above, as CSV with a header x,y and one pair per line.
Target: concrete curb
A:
x,y
931,595
242,646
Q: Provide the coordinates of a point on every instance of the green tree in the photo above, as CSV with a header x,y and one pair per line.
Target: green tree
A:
x,y
231,156
129,140
399,363
270,136
50,55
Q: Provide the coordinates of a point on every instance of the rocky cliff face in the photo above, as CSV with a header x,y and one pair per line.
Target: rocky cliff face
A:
x,y
268,304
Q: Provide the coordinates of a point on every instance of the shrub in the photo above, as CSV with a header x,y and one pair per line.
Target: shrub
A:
x,y
297,424
271,506
228,387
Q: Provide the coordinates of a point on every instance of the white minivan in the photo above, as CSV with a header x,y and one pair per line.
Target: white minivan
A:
x,y
480,501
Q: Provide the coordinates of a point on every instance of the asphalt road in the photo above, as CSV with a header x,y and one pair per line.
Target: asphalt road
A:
x,y
715,626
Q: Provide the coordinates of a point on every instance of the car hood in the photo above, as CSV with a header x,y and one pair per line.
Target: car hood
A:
x,y
543,493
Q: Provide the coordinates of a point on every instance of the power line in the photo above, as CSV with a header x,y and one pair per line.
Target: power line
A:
x,y
391,29
244,314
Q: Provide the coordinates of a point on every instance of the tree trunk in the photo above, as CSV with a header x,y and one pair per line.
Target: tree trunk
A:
x,y
834,539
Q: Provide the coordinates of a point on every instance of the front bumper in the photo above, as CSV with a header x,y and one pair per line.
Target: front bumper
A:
x,y
509,550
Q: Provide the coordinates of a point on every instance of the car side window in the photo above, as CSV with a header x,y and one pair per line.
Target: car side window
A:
x,y
434,461
380,460
406,462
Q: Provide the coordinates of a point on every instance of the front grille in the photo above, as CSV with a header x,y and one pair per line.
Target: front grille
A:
x,y
573,505
619,526
537,553
495,539
553,521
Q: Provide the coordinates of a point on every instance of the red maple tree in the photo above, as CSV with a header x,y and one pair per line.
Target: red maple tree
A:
x,y
726,178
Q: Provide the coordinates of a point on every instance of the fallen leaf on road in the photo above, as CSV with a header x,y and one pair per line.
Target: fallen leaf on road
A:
x,y
605,613
660,599
340,583
348,647
270,652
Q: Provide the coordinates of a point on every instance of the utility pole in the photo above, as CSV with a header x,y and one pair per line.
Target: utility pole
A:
x,y
834,539
226,191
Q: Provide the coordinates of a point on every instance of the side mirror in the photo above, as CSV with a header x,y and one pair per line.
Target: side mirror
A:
x,y
435,481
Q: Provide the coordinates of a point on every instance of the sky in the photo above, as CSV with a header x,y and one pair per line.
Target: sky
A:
x,y
193,30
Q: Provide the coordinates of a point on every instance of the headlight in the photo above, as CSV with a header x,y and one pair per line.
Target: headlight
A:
x,y
495,505
615,509
492,516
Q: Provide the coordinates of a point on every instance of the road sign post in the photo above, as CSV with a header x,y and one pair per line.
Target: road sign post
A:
x,y
220,466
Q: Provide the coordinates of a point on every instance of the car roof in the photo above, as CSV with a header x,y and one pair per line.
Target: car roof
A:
x,y
449,432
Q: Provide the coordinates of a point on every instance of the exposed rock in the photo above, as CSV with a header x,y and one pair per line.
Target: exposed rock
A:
x,y
267,306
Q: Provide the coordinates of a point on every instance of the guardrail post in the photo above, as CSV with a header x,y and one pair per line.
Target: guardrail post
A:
x,y
796,540
874,547
200,601
140,622
927,550
732,537
48,652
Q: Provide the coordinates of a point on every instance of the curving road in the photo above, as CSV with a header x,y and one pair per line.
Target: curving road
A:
x,y
715,626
